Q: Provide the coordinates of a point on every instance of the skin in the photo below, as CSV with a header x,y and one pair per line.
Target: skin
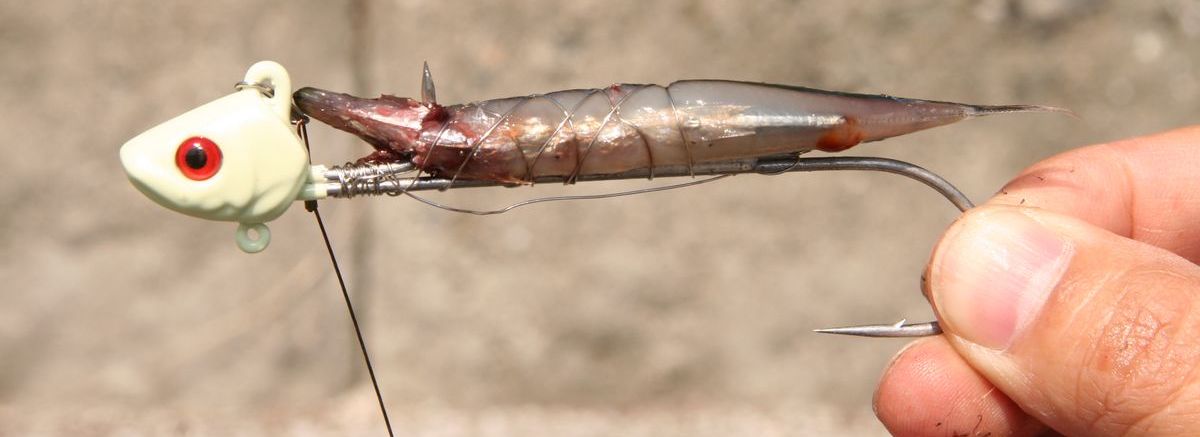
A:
x,y
1115,347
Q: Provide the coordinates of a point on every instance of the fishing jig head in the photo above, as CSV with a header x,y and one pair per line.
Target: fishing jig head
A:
x,y
234,159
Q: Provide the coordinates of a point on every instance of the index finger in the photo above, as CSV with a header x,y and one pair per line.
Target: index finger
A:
x,y
1145,188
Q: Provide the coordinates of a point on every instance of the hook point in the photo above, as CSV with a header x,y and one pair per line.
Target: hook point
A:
x,y
890,330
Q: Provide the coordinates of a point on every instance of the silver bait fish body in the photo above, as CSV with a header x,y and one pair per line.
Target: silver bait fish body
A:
x,y
624,127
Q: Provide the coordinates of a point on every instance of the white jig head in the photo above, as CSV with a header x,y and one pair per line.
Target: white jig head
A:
x,y
235,159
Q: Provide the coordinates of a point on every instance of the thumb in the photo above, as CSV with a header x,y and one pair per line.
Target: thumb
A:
x,y
1089,332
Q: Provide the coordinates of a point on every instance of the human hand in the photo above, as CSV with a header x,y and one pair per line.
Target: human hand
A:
x,y
1070,303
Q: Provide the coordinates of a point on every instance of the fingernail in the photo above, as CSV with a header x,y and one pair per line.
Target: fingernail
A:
x,y
993,275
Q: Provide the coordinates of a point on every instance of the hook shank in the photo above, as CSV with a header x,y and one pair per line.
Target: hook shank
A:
x,y
348,182
769,165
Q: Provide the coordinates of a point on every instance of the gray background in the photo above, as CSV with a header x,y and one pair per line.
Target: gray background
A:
x,y
677,313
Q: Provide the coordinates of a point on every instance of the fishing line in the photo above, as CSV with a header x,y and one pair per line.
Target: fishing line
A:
x,y
311,206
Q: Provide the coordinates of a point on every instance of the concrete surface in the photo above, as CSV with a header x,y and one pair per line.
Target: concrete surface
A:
x,y
678,313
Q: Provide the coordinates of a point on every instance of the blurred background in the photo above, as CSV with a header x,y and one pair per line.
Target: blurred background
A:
x,y
684,313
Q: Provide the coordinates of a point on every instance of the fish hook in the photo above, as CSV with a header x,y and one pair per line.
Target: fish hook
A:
x,y
766,166
930,179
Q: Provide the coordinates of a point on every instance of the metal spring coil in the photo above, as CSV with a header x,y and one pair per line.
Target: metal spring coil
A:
x,y
367,179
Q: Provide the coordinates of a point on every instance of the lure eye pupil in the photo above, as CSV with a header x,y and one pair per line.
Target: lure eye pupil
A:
x,y
198,158
195,157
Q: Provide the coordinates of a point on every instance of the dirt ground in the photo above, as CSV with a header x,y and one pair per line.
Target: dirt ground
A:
x,y
685,313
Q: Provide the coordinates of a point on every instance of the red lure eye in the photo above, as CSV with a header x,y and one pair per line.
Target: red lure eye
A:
x,y
198,158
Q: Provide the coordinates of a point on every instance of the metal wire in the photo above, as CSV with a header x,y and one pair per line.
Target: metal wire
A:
x,y
263,88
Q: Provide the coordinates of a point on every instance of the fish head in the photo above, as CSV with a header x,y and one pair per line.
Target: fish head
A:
x,y
236,159
391,124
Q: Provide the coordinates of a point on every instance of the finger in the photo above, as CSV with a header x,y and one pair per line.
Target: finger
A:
x,y
1091,333
1144,188
929,390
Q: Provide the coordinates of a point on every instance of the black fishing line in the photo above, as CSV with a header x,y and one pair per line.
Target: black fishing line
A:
x,y
311,206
